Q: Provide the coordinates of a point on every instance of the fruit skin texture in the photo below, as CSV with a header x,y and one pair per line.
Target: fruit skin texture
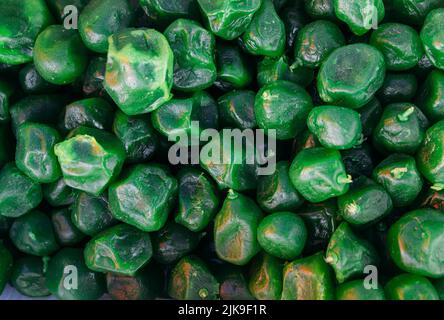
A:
x,y
28,277
414,11
410,287
341,83
235,229
430,98
432,36
139,70
6,264
66,232
266,277
415,242
430,155
163,12
59,55
283,235
356,290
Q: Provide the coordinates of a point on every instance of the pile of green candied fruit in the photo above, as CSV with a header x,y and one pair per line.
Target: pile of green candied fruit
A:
x,y
91,204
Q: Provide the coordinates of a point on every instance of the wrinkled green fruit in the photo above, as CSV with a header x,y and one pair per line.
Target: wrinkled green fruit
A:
x,y
121,249
357,290
432,36
93,78
28,277
320,9
235,229
236,109
6,264
32,82
163,12
266,277
359,161
430,156
144,196
430,97
414,11
66,232
233,69
139,71
410,287
415,242
58,194
90,159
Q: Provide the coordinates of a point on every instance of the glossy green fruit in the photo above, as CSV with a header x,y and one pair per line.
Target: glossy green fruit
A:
x,y
28,277
414,11
432,36
430,97
33,233
32,82
193,48
233,69
35,152
93,78
399,43
18,193
228,19
370,115
400,129
335,127
320,9
68,278
266,277
198,199
190,279
21,22
139,71
90,214
66,232
58,194
265,35
349,255
95,27
284,107
6,263
144,196
163,12
90,159
319,174
430,158
59,55
398,87
410,287
400,177
121,249
308,279
294,17
236,109
316,41
356,290
6,90
415,242
341,83
235,229
360,15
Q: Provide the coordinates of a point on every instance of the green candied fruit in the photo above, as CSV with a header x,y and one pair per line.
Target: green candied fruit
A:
x,y
320,9
58,194
236,109
370,115
121,249
35,152
102,18
6,264
185,119
357,290
91,214
400,129
28,277
399,43
365,203
66,232
139,72
294,17
308,278
19,194
93,78
272,69
173,242
93,112
191,279
32,82
144,196
266,277
90,159
228,19
318,174
399,175
6,91
233,284
21,22
235,229
198,199
316,41
59,55
137,135
163,12
283,106
360,15
193,48
283,235
349,255
233,69
265,35
430,155
33,233
432,36
276,193
430,98
359,161
90,285
410,287
341,83
414,11
335,127
397,87
415,242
